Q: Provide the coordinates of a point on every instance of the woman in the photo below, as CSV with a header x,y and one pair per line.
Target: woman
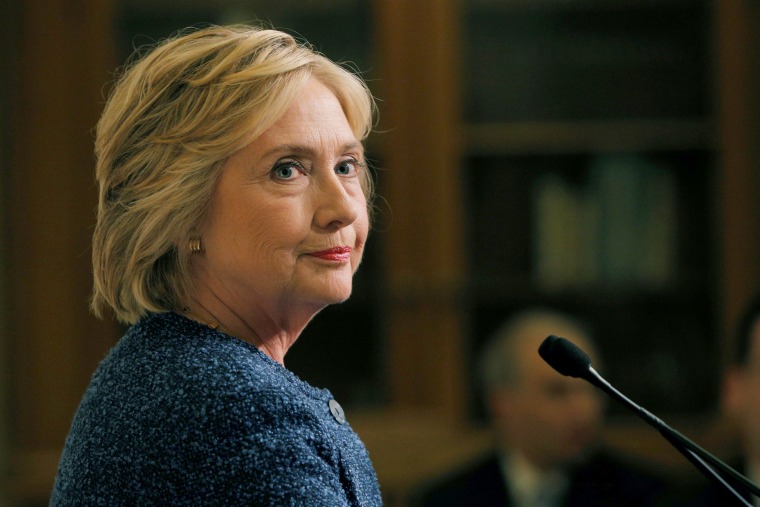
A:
x,y
233,207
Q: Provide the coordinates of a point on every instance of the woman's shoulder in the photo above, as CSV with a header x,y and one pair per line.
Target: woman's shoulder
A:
x,y
182,380
168,348
175,360
174,401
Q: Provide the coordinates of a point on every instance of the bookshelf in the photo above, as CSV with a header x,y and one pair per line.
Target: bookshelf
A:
x,y
589,165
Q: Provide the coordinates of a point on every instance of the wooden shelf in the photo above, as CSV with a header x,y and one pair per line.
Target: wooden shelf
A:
x,y
588,136
576,4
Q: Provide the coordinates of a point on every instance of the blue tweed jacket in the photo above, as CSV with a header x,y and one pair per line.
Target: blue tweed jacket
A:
x,y
179,414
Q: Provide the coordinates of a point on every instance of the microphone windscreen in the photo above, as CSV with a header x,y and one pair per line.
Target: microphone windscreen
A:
x,y
565,357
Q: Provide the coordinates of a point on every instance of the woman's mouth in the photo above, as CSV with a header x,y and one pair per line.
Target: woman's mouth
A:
x,y
339,254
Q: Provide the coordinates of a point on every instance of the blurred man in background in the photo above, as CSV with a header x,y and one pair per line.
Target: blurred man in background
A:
x,y
547,430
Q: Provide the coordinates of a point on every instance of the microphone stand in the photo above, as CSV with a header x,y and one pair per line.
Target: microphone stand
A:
x,y
700,458
708,471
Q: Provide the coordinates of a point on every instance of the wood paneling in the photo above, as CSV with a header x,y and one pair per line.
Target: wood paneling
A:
x,y
417,48
64,60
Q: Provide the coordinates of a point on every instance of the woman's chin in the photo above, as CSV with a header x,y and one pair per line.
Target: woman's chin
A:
x,y
337,297
331,295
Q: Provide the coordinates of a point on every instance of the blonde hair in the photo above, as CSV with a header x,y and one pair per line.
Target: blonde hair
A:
x,y
172,119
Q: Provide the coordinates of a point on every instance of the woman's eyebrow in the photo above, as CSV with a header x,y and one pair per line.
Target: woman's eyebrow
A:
x,y
304,150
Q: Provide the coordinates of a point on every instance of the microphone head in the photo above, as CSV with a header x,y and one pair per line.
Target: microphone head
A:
x,y
565,357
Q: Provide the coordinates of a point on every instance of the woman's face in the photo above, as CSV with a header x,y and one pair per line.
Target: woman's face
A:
x,y
288,220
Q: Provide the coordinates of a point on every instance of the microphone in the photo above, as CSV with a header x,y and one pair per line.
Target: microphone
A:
x,y
569,360
565,357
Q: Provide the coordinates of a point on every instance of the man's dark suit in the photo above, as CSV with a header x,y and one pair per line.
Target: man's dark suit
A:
x,y
602,481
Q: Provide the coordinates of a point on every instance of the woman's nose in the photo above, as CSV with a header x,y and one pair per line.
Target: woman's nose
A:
x,y
336,207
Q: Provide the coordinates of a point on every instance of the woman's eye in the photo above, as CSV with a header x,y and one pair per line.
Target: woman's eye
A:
x,y
347,167
286,170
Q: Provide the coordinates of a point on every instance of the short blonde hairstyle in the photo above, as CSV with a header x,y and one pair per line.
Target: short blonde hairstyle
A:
x,y
172,119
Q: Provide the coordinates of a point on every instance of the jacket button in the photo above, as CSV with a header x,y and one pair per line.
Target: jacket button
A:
x,y
337,411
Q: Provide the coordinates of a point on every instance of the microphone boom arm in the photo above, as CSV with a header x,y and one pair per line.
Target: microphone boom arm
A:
x,y
565,357
696,454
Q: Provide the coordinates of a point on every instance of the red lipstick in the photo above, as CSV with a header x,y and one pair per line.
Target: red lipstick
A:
x,y
339,253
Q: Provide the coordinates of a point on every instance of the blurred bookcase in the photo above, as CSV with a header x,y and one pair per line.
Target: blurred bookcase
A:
x,y
589,167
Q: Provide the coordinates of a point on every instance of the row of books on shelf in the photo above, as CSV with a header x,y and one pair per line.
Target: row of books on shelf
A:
x,y
615,228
